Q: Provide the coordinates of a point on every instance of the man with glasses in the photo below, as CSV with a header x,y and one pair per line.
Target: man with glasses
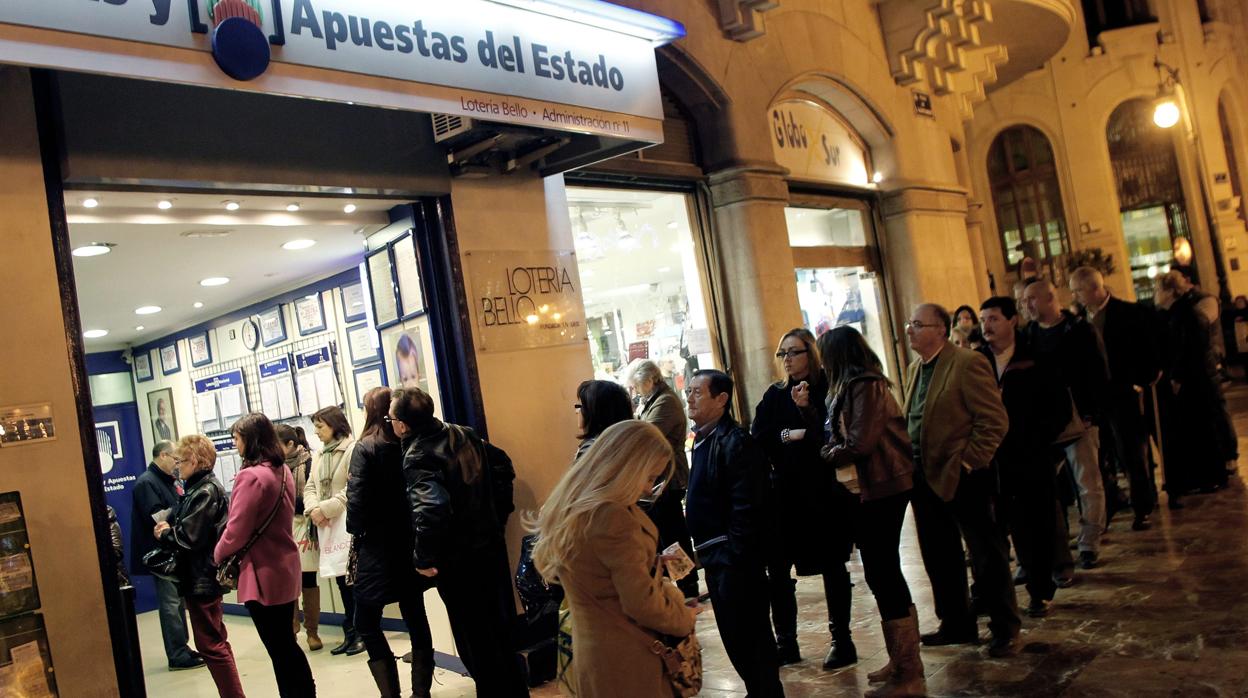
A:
x,y
956,422
726,510
156,491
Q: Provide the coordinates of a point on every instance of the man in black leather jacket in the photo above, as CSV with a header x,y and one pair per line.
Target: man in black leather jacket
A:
x,y
459,541
725,508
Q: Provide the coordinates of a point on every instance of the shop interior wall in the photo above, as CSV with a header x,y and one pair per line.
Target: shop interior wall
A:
x,y
35,368
528,395
225,338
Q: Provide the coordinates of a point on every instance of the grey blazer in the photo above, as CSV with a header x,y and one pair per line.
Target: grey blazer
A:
x,y
664,410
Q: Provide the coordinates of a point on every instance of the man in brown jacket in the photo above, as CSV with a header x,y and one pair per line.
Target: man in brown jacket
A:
x,y
956,421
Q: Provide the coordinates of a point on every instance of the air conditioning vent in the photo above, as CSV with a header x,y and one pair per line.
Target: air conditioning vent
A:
x,y
207,233
447,126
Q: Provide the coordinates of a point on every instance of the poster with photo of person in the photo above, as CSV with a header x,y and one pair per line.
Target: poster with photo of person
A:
x,y
405,352
160,410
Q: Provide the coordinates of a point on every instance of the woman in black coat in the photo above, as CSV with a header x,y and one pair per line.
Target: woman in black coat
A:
x,y
191,532
379,518
815,513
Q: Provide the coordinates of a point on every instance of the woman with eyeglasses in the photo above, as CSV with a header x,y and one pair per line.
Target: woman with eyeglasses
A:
x,y
379,518
599,405
595,542
870,450
815,512
192,531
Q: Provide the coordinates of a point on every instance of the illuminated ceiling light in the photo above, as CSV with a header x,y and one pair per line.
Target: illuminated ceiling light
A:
x,y
90,203
298,244
1166,113
293,208
164,204
147,310
672,225
197,305
877,177
663,270
349,208
215,281
140,328
94,249
95,334
231,205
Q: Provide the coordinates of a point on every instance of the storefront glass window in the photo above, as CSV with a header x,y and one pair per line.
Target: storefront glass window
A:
x,y
844,296
641,281
836,227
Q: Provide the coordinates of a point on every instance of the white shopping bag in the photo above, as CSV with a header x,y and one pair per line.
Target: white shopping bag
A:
x,y
335,544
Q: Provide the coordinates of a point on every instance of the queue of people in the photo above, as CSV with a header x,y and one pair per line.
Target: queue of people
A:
x,y
1003,408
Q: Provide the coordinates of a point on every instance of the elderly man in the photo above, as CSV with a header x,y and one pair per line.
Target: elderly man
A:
x,y
1068,346
956,422
1127,330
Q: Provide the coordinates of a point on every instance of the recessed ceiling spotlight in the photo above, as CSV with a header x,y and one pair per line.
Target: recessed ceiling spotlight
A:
x,y
293,208
164,204
877,177
298,244
94,249
95,334
349,208
215,281
197,305
140,328
90,203
147,310
232,205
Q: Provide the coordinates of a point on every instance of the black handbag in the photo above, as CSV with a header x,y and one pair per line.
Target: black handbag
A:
x,y
162,563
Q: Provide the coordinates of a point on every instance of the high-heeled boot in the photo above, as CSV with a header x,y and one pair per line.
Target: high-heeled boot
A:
x,y
422,673
312,617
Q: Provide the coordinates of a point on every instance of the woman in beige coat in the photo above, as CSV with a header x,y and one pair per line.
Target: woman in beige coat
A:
x,y
593,540
325,499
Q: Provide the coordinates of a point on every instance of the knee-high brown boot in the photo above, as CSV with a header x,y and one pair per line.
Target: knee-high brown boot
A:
x,y
901,636
312,617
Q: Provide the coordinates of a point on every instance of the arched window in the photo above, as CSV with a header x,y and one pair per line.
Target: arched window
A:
x,y
1027,198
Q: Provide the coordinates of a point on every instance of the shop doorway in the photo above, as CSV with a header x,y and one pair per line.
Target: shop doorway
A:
x,y
1150,192
837,272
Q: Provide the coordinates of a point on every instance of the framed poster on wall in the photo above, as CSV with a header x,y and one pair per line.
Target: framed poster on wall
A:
x,y
361,344
367,378
310,314
272,326
410,367
353,308
169,360
381,285
143,367
407,275
199,349
160,410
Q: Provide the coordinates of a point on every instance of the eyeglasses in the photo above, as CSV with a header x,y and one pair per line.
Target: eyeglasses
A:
x,y
655,492
577,406
916,325
389,420
792,352
179,461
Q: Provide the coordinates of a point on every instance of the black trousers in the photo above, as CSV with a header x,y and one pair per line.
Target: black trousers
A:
x,y
668,515
879,542
348,605
476,589
290,666
739,598
368,624
1131,442
942,526
782,593
1030,507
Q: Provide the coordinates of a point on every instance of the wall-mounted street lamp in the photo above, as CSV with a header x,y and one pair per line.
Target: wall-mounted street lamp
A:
x,y
1166,109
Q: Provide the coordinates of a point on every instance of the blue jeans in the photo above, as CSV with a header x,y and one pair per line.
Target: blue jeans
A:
x,y
172,621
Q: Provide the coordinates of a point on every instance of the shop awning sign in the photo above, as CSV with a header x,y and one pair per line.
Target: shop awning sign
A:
x,y
481,58
526,299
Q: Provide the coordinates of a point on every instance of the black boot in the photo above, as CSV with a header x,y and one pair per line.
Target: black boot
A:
x,y
351,644
842,653
386,674
422,673
839,592
788,651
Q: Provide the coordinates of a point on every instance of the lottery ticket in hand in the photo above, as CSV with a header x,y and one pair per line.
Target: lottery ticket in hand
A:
x,y
676,561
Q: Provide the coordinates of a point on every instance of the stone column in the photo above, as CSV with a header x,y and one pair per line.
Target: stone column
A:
x,y
927,249
752,267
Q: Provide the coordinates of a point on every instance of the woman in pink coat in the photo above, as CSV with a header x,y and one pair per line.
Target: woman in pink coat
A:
x,y
269,577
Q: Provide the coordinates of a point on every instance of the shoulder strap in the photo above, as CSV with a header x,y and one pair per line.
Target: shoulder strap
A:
x,y
263,527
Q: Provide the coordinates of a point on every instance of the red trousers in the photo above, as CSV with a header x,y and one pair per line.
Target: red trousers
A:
x,y
211,642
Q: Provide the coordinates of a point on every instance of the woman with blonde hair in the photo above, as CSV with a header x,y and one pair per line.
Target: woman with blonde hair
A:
x,y
815,514
192,531
596,543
